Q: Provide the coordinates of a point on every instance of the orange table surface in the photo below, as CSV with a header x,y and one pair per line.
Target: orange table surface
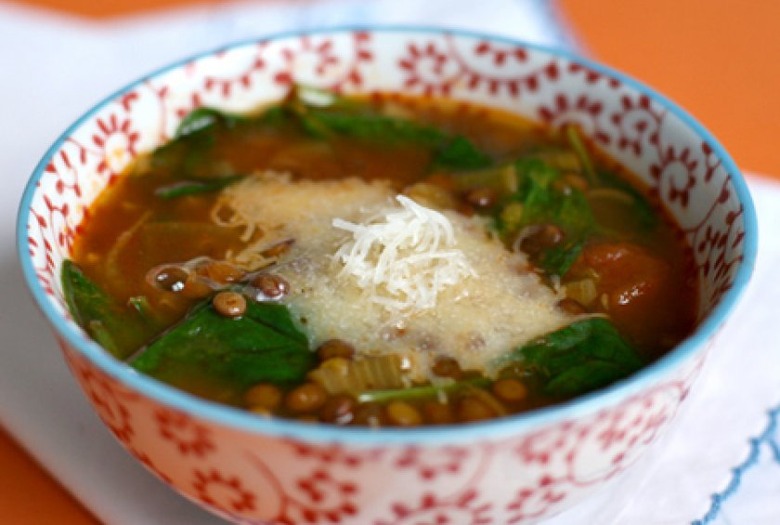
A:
x,y
715,58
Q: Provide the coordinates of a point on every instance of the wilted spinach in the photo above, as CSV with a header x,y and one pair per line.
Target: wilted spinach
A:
x,y
261,346
119,330
189,154
579,358
537,201
338,116
195,187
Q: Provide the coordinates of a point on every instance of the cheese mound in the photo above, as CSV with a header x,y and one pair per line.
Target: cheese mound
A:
x,y
271,209
402,258
350,242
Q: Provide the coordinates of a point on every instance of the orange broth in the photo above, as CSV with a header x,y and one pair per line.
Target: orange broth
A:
x,y
643,275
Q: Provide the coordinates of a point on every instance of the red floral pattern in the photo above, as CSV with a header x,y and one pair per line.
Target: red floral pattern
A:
x,y
225,493
251,478
465,509
188,436
326,62
448,462
110,398
444,63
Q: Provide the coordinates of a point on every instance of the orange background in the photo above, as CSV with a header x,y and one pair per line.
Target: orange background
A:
x,y
719,59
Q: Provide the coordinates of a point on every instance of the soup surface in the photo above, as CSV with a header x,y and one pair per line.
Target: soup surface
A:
x,y
383,261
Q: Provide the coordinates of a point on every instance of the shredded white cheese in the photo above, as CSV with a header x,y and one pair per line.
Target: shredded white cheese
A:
x,y
403,257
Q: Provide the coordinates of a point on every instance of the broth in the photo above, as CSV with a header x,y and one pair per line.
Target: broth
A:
x,y
299,306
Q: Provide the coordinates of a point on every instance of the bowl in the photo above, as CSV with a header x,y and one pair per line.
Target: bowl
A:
x,y
514,470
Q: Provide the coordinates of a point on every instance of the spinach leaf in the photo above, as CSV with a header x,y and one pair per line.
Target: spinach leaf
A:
x,y
450,151
324,114
194,187
261,346
188,155
579,358
641,209
201,120
537,201
543,203
558,259
320,115
573,213
371,126
460,153
116,329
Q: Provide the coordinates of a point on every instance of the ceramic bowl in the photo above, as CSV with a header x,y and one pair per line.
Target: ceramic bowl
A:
x,y
513,470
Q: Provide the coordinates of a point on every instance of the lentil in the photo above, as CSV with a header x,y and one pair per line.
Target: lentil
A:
x,y
472,409
446,367
278,249
263,395
194,288
482,198
308,397
170,278
272,286
369,414
545,236
335,348
571,306
510,390
437,413
339,409
221,272
403,414
229,304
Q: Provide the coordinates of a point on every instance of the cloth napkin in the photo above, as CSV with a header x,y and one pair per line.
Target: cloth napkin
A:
x,y
719,464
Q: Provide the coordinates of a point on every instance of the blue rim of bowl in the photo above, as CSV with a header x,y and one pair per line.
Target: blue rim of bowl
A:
x,y
492,429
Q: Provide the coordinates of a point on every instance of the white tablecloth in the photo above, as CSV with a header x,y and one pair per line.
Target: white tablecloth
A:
x,y
720,463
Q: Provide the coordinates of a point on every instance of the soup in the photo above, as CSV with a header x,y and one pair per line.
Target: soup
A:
x,y
383,261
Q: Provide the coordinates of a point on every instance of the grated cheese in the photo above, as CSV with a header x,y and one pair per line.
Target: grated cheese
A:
x,y
486,300
403,258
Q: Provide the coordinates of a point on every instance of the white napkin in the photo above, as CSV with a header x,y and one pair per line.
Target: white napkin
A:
x,y
54,67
